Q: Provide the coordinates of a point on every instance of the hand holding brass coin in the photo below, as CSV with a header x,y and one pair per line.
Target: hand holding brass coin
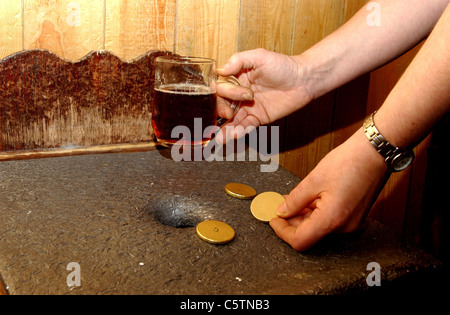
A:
x,y
265,205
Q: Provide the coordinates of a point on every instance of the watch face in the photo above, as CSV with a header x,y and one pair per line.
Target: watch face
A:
x,y
402,161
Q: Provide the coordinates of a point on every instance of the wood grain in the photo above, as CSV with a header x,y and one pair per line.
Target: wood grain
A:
x,y
314,20
309,131
207,28
351,7
270,25
70,29
10,27
134,27
211,28
267,24
49,102
351,99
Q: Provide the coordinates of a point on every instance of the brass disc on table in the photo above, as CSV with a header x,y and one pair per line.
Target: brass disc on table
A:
x,y
215,232
240,191
264,205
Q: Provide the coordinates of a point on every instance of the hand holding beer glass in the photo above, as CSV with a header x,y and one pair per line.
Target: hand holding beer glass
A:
x,y
185,95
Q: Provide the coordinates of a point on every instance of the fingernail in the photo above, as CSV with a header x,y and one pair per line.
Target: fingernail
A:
x,y
282,210
247,97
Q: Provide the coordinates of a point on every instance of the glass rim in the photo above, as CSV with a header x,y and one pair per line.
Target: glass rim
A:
x,y
185,59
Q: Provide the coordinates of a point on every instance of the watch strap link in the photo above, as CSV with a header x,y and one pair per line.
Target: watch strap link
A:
x,y
377,140
397,159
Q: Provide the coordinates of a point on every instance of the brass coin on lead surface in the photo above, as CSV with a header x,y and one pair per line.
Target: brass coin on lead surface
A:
x,y
215,232
265,205
240,191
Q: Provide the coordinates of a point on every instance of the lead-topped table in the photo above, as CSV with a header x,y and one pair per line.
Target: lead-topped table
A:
x,y
115,216
74,221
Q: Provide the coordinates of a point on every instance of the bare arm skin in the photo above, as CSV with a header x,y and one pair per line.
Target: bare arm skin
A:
x,y
278,85
357,47
335,196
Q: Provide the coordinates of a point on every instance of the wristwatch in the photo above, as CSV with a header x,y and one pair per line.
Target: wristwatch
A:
x,y
397,159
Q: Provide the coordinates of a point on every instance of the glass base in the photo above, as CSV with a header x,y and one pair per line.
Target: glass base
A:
x,y
178,143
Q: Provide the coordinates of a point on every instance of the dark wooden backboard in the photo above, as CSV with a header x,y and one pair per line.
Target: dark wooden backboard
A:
x,y
47,102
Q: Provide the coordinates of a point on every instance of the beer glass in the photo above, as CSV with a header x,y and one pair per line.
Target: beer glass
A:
x,y
185,97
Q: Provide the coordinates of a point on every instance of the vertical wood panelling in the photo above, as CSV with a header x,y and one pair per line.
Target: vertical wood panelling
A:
x,y
10,27
207,28
267,24
217,29
314,20
68,28
351,7
350,108
308,131
134,27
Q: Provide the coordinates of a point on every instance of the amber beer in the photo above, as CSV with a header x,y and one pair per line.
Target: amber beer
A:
x,y
179,105
184,101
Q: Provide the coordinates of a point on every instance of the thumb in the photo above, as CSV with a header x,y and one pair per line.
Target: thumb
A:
x,y
233,66
246,60
301,197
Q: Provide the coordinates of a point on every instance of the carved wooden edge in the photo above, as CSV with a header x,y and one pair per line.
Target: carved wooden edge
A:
x,y
48,105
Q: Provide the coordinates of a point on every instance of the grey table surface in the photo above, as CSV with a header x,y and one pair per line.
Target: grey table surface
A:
x,y
115,216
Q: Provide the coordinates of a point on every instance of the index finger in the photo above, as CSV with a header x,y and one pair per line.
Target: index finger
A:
x,y
301,237
234,92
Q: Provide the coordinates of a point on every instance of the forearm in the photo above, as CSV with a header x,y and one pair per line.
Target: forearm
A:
x,y
359,47
422,95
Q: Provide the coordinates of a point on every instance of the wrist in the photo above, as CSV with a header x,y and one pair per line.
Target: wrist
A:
x,y
319,71
304,78
367,152
397,159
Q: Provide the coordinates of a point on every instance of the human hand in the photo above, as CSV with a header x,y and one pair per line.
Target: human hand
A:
x,y
274,87
334,197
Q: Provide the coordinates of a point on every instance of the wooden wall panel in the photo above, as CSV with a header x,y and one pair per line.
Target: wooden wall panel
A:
x,y
135,27
267,24
314,20
217,29
308,131
69,28
10,27
207,28
351,7
350,109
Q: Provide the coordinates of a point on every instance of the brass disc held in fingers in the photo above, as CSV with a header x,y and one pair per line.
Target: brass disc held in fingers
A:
x,y
215,232
264,205
240,191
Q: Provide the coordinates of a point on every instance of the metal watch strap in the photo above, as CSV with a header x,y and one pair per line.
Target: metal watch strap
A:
x,y
377,140
397,159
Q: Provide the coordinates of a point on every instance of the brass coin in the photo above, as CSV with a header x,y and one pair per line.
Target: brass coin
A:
x,y
240,191
215,232
264,205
